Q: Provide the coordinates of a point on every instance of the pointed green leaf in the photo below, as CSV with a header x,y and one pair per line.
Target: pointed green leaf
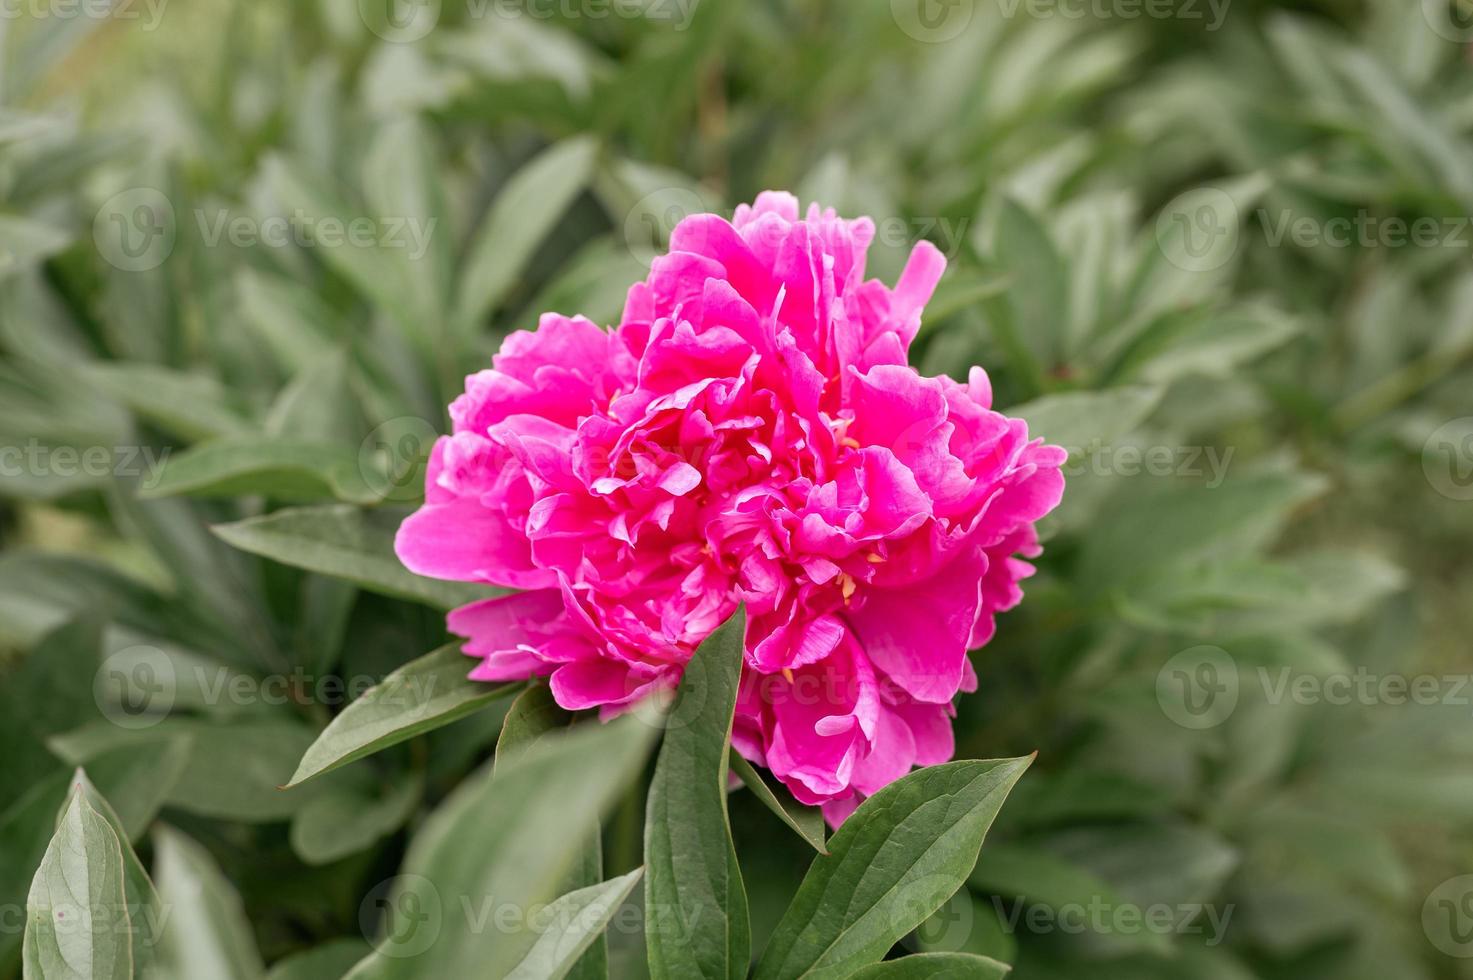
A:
x,y
77,911
502,845
935,966
193,406
367,265
696,921
534,715
207,935
332,959
344,820
265,465
573,923
421,696
523,213
346,543
903,853
806,821
1082,420
145,912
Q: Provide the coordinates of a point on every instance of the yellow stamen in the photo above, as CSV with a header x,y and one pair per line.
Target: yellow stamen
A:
x,y
788,674
875,559
847,585
849,442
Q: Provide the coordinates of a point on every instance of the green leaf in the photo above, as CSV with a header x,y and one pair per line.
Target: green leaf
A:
x,y
344,820
963,290
140,782
296,325
207,936
806,821
421,696
1218,345
1080,420
236,765
318,407
1033,876
1185,522
265,465
519,219
508,840
145,912
368,266
935,966
696,921
331,959
24,242
77,911
189,405
346,543
1033,315
897,858
966,923
575,921
401,179
533,716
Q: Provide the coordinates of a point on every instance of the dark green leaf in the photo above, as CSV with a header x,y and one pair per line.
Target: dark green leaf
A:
x,y
575,921
207,935
806,821
935,966
77,912
897,858
502,844
423,695
521,216
696,921
346,543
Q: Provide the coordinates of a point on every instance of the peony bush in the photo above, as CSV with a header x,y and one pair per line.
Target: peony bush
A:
x,y
359,618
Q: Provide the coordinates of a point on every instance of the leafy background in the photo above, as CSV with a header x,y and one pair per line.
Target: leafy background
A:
x,y
1110,190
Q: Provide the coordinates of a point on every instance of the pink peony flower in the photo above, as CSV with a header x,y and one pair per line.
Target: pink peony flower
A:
x,y
751,433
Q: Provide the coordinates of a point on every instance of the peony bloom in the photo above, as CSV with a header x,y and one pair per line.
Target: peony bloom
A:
x,y
751,432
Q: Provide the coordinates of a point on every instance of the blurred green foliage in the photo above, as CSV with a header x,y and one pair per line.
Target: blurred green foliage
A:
x,y
248,250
